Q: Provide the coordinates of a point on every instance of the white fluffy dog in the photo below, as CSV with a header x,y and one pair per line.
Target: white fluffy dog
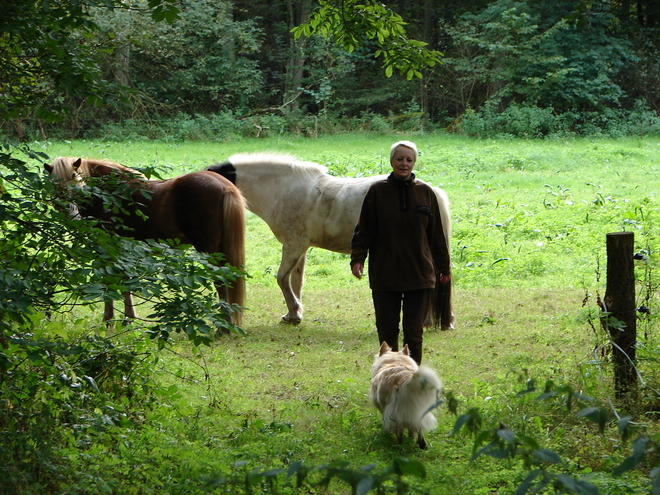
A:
x,y
404,393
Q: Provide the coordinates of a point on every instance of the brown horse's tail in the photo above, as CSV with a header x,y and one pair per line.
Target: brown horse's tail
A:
x,y
233,239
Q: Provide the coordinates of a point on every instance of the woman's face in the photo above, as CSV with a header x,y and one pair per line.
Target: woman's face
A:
x,y
403,162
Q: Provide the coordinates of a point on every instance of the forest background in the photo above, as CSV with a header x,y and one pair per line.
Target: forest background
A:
x,y
225,68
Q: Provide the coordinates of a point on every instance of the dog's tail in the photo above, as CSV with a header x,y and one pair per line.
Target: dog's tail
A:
x,y
414,402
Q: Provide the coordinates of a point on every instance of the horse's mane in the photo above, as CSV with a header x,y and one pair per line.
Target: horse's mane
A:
x,y
296,166
63,167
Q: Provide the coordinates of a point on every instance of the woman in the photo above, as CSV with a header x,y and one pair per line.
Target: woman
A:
x,y
400,229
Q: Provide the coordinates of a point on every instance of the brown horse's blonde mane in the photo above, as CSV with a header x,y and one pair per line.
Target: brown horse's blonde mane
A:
x,y
63,168
88,165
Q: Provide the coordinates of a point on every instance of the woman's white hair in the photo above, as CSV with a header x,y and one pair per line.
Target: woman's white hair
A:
x,y
407,144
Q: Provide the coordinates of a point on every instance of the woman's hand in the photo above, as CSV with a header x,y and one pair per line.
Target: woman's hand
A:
x,y
357,269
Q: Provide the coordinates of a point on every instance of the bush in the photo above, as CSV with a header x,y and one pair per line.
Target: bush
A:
x,y
489,121
269,124
66,396
534,122
516,120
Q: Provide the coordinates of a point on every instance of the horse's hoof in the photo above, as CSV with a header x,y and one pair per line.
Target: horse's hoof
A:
x,y
290,321
222,332
451,326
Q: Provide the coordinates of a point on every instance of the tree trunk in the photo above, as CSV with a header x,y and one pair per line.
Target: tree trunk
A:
x,y
430,22
122,65
619,304
624,11
648,13
298,14
230,45
428,36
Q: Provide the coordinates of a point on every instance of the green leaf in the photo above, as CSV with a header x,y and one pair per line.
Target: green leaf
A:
x,y
506,435
299,470
364,486
546,455
91,382
530,442
571,485
471,420
625,425
452,402
598,415
272,473
530,481
409,468
640,447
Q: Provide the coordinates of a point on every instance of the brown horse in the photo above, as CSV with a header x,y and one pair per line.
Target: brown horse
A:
x,y
200,208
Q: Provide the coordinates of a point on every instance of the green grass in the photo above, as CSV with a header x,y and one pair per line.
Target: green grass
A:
x,y
529,221
518,206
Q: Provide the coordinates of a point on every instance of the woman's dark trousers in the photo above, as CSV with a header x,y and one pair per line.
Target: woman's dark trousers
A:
x,y
388,304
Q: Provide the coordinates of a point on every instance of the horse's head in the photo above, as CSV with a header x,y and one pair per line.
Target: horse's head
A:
x,y
72,174
67,169
64,171
88,184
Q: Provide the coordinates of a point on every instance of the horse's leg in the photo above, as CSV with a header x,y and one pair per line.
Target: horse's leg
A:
x,y
291,267
223,295
129,308
451,323
298,279
108,312
210,244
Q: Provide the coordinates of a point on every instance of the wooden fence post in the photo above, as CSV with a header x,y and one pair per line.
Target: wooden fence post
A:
x,y
619,303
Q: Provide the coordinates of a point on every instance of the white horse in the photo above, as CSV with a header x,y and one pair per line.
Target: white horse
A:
x,y
304,206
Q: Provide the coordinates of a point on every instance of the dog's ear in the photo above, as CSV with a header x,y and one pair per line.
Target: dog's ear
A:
x,y
384,348
405,351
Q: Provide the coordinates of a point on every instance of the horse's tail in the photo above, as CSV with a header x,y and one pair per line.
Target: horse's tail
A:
x,y
445,216
233,240
441,312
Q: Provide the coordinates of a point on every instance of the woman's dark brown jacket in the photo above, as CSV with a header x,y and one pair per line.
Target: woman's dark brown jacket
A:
x,y
401,230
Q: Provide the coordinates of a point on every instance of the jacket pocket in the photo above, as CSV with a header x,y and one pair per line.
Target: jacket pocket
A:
x,y
424,210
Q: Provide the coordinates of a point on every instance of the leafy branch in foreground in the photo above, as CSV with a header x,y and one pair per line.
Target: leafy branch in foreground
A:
x,y
361,481
349,22
502,443
50,263
546,470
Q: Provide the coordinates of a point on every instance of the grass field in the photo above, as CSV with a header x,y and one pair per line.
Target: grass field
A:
x,y
529,222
